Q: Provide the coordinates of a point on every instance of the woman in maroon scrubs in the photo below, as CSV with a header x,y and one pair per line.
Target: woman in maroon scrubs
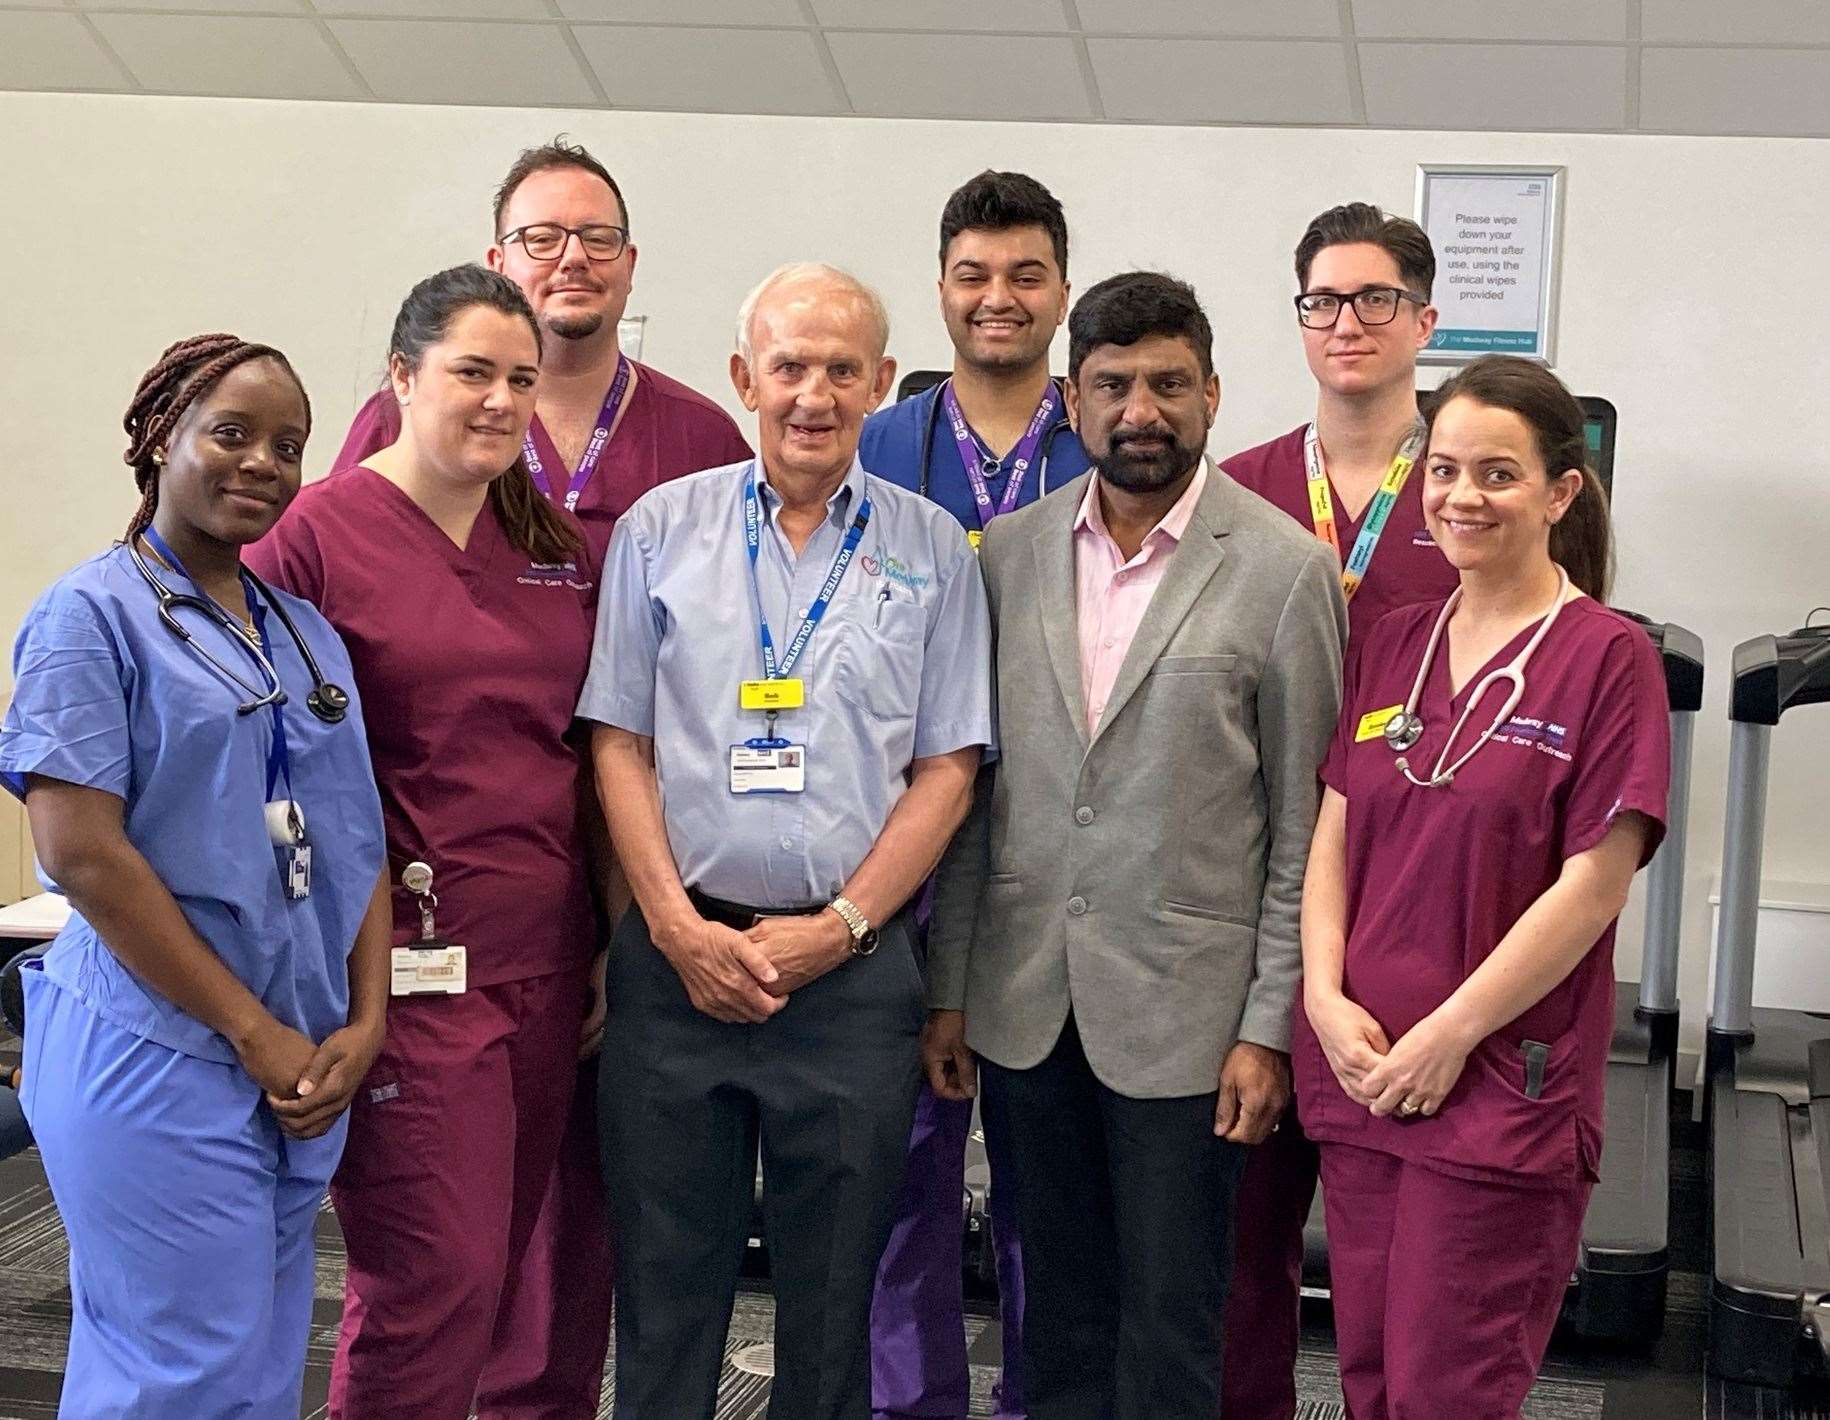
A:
x,y
466,601
1475,845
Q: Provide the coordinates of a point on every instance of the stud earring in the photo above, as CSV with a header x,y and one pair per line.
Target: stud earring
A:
x,y
158,458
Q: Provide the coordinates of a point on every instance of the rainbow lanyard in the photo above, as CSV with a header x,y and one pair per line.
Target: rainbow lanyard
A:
x,y
1321,503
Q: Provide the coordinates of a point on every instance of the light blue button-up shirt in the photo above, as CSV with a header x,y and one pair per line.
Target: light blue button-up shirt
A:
x,y
898,670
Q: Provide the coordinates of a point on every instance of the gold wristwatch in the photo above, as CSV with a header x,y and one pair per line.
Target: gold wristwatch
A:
x,y
863,935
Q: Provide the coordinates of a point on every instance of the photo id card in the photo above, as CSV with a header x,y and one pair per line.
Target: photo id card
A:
x,y
768,767
428,968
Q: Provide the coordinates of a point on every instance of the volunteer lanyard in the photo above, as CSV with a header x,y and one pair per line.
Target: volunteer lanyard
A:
x,y
279,761
977,458
1321,503
600,436
752,536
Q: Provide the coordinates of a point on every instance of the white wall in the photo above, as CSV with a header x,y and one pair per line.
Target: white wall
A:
x,y
1693,296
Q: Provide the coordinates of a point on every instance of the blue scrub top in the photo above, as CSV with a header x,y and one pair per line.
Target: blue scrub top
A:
x,y
890,447
106,697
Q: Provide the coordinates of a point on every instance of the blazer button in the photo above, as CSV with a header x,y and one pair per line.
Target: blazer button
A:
x,y
1083,814
1077,906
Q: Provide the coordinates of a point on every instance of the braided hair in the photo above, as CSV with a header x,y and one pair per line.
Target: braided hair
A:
x,y
166,391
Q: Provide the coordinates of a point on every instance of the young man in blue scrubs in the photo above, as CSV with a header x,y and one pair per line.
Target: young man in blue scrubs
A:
x,y
991,438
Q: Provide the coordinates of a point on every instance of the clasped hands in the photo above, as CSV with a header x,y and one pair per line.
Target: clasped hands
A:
x,y
1412,1077
746,977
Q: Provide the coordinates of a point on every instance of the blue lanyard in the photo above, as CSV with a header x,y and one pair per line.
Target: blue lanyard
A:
x,y
752,536
279,760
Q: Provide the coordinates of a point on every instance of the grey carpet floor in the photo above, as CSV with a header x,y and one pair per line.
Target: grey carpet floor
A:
x,y
35,1322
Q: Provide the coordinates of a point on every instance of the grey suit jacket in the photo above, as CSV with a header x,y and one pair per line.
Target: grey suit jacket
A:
x,y
1148,876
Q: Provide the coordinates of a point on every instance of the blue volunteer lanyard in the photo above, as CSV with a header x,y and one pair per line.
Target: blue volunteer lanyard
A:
x,y
752,536
977,459
279,760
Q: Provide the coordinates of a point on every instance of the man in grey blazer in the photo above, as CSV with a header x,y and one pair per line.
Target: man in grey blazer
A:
x,y
1115,937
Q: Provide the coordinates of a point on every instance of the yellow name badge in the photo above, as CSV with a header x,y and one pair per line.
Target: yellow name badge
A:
x,y
1373,724
974,537
788,693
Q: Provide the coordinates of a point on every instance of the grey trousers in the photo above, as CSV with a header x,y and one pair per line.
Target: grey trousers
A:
x,y
827,1088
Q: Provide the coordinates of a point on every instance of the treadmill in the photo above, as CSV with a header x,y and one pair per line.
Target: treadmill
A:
x,y
1618,1291
1768,1100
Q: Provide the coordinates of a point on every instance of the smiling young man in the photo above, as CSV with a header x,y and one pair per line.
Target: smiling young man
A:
x,y
1363,309
991,438
606,428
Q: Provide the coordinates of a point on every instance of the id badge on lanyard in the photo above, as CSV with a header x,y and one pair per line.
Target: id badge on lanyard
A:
x,y
285,819
431,966
769,764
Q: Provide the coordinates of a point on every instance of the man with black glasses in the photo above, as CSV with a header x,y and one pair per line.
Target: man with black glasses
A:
x,y
1363,310
606,429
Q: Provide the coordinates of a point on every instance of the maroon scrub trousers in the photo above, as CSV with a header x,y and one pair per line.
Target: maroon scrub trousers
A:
x,y
1451,1237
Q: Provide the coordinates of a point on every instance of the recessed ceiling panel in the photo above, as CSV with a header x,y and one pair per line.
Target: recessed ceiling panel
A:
x,y
958,76
234,55
1222,81
711,71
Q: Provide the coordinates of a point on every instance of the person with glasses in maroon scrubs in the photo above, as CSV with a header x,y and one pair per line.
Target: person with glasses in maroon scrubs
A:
x,y
1498,775
606,429
1363,309
467,601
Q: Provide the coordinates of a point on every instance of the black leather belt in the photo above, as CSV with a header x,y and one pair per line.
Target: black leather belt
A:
x,y
737,916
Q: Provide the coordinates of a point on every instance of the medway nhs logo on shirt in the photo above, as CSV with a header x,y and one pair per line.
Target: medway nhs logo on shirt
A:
x,y
896,570
554,574
1545,736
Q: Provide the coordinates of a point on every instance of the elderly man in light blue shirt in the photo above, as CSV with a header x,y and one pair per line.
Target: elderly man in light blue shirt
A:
x,y
792,693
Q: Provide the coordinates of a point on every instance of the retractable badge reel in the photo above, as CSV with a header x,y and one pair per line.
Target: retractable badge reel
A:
x,y
430,966
291,848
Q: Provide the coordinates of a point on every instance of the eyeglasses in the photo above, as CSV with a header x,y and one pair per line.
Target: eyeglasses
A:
x,y
544,241
1376,305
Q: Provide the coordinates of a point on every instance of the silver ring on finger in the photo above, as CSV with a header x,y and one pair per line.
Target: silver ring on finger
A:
x,y
1408,1107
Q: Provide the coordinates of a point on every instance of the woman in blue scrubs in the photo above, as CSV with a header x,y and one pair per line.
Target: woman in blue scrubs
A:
x,y
197,1031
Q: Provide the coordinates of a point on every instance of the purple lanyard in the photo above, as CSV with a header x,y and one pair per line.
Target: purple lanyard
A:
x,y
606,421
973,455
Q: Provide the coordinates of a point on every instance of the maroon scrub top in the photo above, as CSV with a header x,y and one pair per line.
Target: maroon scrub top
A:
x,y
1436,877
469,661
667,431
1407,566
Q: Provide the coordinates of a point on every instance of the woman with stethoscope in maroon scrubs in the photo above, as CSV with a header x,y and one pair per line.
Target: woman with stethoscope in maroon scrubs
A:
x,y
1497,778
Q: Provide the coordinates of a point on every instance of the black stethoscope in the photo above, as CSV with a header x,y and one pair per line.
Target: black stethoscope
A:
x,y
329,702
990,467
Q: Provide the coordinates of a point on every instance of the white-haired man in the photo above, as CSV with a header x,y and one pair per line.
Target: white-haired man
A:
x,y
791,694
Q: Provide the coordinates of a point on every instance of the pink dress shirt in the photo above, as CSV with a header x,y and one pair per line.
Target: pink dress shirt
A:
x,y
1114,594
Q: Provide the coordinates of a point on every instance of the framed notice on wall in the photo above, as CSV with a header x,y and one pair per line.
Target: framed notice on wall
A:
x,y
1497,232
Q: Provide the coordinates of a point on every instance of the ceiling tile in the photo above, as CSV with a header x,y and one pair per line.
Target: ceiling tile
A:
x,y
1495,88
1019,15
1736,91
40,50
916,76
237,7
435,62
1222,81
709,71
439,9
230,55
1457,19
1735,21
686,12
1304,19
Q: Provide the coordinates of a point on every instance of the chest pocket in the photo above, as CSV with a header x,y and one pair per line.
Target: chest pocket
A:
x,y
878,662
